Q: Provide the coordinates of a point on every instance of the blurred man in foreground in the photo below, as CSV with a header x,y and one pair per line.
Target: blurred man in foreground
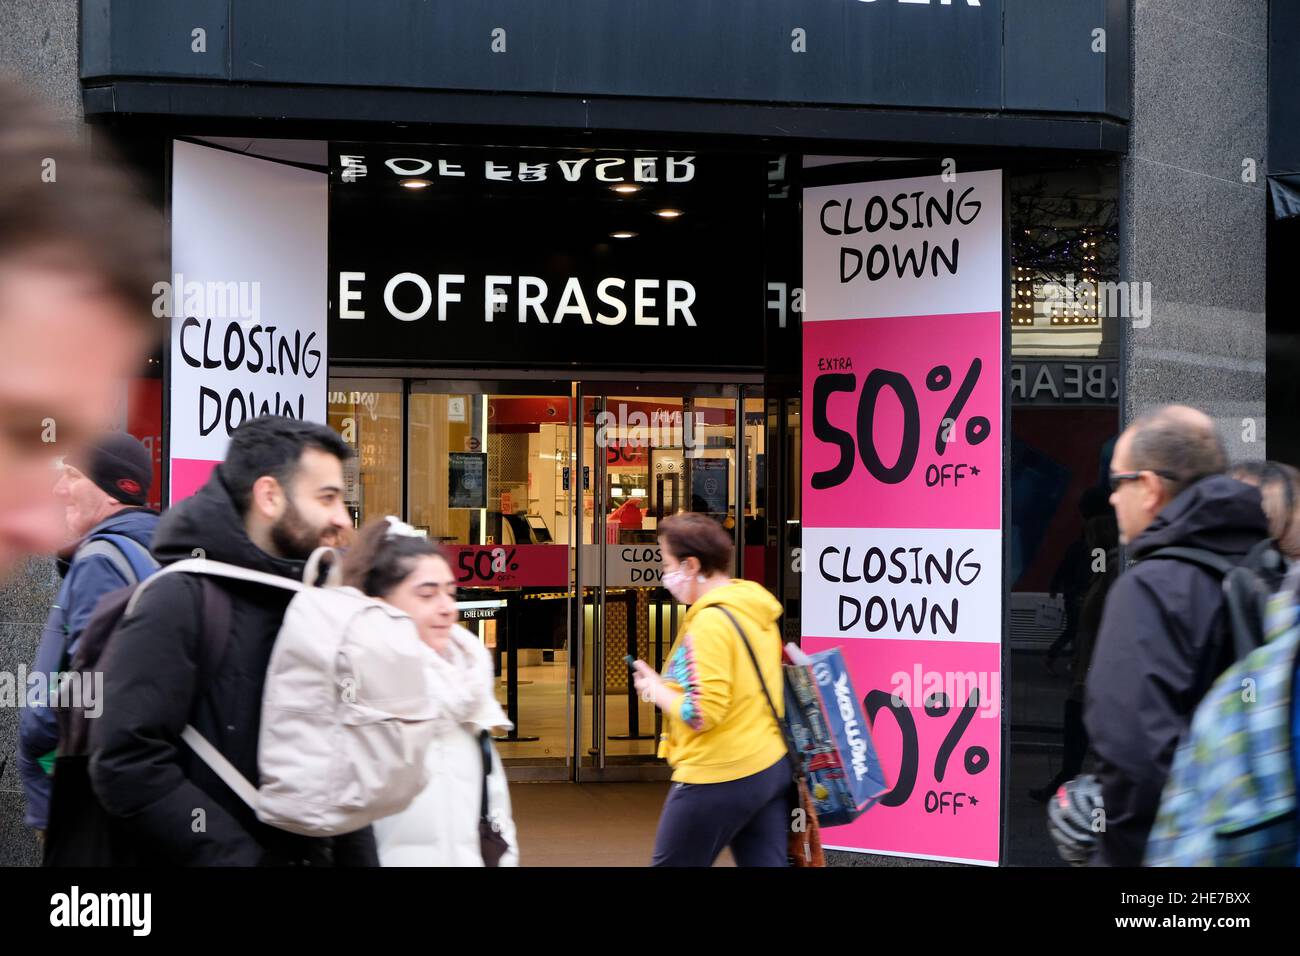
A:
x,y
80,252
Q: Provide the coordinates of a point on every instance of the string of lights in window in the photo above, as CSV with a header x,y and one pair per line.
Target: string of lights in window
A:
x,y
1063,252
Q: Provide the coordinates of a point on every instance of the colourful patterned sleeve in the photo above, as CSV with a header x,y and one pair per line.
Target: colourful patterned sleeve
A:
x,y
684,672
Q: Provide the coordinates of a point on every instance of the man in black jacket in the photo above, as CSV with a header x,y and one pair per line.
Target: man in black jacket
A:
x,y
277,496
1163,637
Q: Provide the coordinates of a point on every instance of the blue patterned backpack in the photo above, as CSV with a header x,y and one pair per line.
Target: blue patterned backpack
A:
x,y
1231,795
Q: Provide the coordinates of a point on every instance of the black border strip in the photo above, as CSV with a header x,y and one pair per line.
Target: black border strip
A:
x,y
779,123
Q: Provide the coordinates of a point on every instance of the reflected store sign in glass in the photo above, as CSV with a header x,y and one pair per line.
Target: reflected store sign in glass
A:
x,y
539,257
1065,383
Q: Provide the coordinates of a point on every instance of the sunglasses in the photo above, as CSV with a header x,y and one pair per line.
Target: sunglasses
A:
x,y
1118,478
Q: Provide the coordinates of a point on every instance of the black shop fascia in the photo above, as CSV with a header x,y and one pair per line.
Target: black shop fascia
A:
x,y
532,257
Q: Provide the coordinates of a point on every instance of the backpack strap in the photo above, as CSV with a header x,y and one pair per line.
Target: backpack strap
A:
x,y
219,765
485,748
118,549
99,548
1243,602
216,625
220,569
217,610
796,762
142,562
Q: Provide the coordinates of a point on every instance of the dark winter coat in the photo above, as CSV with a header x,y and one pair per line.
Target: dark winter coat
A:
x,y
176,808
1163,640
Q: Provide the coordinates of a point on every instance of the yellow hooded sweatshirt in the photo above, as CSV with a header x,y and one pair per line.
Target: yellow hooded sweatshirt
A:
x,y
722,728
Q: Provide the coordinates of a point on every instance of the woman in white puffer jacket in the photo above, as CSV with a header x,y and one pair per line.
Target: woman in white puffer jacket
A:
x,y
391,561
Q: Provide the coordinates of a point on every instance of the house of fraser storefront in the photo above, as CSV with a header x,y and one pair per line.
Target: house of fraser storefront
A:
x,y
539,354
542,342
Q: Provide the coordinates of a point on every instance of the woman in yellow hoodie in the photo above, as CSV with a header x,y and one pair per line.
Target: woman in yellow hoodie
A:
x,y
732,779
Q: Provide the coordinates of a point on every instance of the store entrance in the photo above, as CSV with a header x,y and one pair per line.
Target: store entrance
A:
x,y
548,516
655,450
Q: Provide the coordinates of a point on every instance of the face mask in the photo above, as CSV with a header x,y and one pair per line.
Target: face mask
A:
x,y
678,584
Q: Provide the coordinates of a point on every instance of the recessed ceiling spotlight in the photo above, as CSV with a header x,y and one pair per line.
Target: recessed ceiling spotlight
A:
x,y
623,234
416,183
627,188
668,213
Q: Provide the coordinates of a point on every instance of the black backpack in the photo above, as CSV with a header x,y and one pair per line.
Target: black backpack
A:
x,y
80,832
1247,586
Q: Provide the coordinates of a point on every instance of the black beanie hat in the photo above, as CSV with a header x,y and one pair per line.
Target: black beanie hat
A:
x,y
120,466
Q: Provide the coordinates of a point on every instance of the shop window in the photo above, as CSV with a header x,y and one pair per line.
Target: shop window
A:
x,y
1064,262
367,413
1064,420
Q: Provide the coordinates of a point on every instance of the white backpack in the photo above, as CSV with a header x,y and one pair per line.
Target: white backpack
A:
x,y
347,712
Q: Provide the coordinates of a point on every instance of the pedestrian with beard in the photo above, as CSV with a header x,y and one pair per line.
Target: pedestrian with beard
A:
x,y
275,499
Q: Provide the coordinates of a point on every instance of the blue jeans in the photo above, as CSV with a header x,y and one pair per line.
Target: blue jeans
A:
x,y
751,815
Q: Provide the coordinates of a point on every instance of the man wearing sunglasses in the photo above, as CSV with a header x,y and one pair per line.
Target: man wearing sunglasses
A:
x,y
1163,637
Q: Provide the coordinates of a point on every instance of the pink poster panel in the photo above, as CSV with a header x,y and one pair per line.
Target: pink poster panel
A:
x,y
510,566
905,422
934,715
906,432
189,475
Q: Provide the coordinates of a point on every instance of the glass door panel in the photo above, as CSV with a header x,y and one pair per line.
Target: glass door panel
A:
x,y
367,414
488,479
652,451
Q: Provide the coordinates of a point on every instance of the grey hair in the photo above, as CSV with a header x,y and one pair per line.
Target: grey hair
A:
x,y
1181,444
